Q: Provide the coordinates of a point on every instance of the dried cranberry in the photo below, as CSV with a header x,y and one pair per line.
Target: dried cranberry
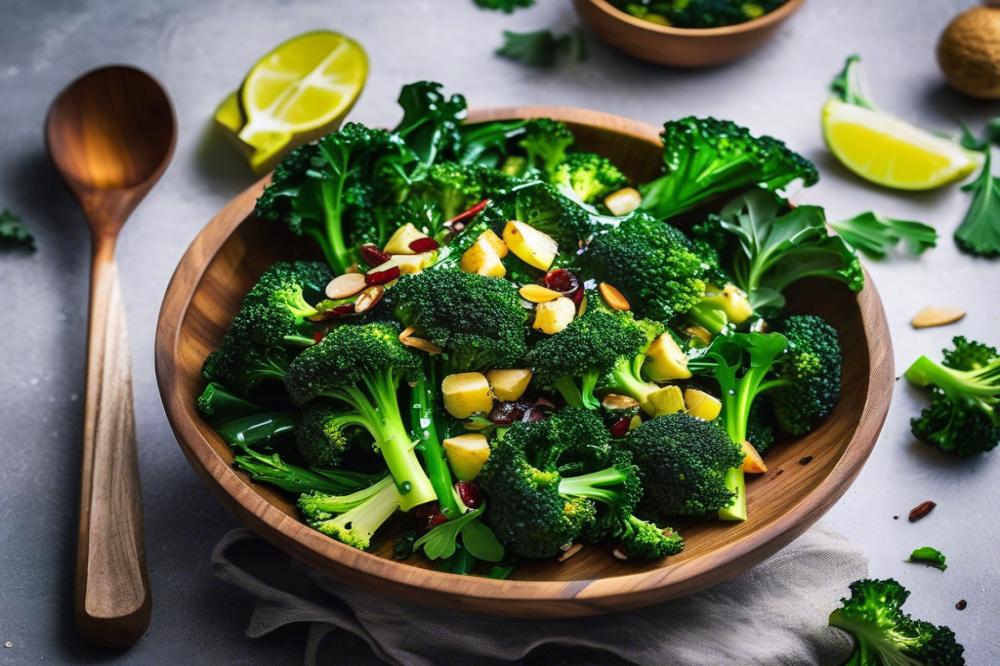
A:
x,y
425,244
561,280
469,493
372,255
425,511
620,427
381,277
333,313
436,520
318,336
505,413
467,214
576,296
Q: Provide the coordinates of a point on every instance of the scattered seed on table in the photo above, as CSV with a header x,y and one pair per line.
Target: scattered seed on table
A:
x,y
895,517
10,644
962,603
805,460
921,510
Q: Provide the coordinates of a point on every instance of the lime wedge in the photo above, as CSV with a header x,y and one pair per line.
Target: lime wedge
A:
x,y
887,151
297,92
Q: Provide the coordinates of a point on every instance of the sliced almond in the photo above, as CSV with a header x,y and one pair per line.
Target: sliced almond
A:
x,y
536,293
406,332
570,552
935,316
345,286
619,553
613,298
369,298
421,344
613,401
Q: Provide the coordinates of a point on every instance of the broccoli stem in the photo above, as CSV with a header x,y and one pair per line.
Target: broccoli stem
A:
x,y
582,395
393,440
711,318
272,469
332,213
626,378
590,485
256,428
357,526
982,386
337,504
299,340
424,423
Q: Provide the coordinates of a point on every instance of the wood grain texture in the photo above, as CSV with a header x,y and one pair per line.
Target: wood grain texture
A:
x,y
235,248
679,47
111,135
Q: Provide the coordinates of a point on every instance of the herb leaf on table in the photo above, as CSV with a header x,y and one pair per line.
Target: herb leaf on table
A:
x,y
542,48
979,233
13,233
930,556
876,235
505,6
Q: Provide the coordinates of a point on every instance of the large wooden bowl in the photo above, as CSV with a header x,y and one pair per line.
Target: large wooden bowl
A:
x,y
235,248
680,47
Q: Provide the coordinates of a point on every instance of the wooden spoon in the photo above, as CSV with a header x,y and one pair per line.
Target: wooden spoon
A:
x,y
111,134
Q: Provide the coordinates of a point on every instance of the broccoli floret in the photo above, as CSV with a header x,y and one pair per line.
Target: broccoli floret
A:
x,y
270,323
542,207
241,423
353,519
760,431
526,510
705,158
810,374
573,360
884,634
625,376
309,189
545,143
323,435
478,320
535,508
773,247
683,463
362,366
588,177
651,263
962,418
740,363
450,187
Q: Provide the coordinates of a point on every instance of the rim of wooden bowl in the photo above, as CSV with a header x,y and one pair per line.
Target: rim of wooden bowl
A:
x,y
510,597
776,16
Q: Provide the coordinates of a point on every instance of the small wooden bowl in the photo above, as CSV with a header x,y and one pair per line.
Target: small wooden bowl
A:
x,y
680,47
235,248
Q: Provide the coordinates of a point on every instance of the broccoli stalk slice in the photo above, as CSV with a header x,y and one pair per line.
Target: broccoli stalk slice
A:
x,y
981,387
592,485
357,526
424,422
316,504
579,394
708,315
625,377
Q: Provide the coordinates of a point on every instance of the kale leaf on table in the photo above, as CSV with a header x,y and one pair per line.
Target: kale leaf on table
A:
x,y
13,233
505,6
542,48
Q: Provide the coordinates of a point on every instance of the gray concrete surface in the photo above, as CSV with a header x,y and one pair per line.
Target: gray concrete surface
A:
x,y
200,50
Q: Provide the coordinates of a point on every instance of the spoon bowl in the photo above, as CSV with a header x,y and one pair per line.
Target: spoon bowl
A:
x,y
111,134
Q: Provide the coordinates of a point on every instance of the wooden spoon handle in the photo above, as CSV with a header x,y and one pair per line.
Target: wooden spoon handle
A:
x,y
112,586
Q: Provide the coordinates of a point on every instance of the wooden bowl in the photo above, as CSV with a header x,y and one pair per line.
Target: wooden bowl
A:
x,y
680,47
235,248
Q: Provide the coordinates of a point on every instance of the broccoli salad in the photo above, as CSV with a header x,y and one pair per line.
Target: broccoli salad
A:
x,y
509,349
697,13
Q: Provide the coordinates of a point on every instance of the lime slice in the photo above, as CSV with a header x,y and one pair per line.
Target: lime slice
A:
x,y
298,92
885,150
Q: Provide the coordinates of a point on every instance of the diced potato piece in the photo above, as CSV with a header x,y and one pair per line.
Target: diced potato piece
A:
x,y
407,263
702,405
467,454
466,393
495,242
668,400
530,245
665,360
509,384
399,242
635,422
734,302
482,259
554,316
752,462
624,201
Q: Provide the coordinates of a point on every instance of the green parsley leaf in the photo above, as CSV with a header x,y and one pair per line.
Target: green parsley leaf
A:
x,y
876,235
505,6
13,233
979,233
929,556
542,48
